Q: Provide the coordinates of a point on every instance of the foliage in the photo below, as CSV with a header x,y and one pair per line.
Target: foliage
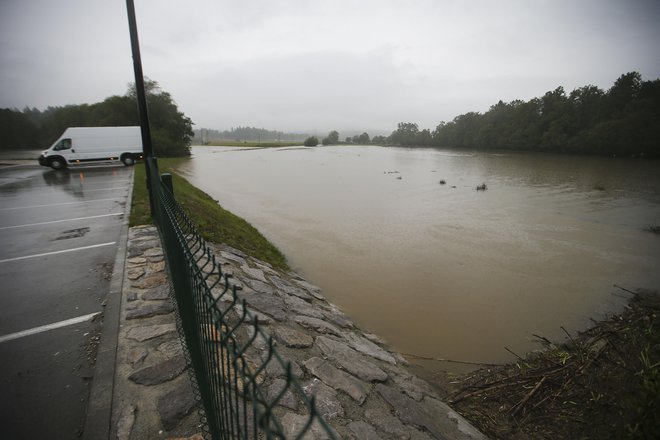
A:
x,y
171,130
204,136
311,141
361,139
18,130
213,222
405,134
332,139
625,121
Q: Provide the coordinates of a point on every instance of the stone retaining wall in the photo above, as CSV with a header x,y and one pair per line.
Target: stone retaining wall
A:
x,y
363,389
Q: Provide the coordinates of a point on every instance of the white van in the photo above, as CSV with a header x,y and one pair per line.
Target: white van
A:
x,y
79,145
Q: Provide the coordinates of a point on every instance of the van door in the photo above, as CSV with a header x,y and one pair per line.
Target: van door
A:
x,y
65,149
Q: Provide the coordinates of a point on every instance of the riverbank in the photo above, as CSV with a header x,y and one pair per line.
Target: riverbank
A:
x,y
362,388
530,424
207,214
602,383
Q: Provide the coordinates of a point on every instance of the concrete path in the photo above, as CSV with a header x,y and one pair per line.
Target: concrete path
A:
x,y
363,389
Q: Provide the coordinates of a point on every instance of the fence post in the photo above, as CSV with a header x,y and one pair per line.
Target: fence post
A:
x,y
166,178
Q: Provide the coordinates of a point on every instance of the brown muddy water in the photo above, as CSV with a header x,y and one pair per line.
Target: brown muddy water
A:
x,y
446,271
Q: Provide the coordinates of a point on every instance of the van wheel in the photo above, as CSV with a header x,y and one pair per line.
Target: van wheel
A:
x,y
128,160
57,163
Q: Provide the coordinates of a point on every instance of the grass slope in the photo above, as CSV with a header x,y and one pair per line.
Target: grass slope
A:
x,y
214,223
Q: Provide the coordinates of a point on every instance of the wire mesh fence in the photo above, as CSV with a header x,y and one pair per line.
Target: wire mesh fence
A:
x,y
231,356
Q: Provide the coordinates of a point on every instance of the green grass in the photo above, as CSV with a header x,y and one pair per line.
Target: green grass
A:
x,y
213,222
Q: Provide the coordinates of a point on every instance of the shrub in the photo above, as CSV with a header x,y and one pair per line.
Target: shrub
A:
x,y
311,141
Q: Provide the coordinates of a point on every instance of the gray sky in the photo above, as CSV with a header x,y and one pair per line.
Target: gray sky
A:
x,y
323,64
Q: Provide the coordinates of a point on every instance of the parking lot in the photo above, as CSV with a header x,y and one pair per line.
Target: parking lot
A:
x,y
59,233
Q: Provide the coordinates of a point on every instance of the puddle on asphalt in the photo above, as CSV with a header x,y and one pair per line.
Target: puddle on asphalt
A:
x,y
73,233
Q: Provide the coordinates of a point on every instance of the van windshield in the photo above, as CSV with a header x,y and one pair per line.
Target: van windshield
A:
x,y
64,144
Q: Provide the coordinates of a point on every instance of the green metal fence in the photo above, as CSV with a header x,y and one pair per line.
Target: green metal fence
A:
x,y
228,351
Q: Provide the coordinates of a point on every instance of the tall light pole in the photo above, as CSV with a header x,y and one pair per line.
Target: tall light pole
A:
x,y
141,98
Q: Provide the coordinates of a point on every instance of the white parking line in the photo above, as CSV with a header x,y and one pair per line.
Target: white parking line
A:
x,y
104,189
7,260
60,204
45,328
60,221
66,185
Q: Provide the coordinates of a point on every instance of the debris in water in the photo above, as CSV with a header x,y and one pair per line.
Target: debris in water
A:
x,y
597,384
654,228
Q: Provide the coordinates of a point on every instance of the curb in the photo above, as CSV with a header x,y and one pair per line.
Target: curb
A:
x,y
99,406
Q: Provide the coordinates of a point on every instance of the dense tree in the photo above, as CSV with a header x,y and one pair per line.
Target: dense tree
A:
x,y
405,134
625,120
171,130
18,130
311,141
246,134
332,139
364,139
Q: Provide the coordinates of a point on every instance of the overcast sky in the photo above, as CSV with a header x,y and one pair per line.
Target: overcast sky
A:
x,y
323,64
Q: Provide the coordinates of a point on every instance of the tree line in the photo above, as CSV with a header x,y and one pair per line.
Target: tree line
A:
x,y
624,120
333,139
171,130
245,134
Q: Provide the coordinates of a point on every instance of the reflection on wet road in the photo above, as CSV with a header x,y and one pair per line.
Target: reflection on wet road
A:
x,y
58,243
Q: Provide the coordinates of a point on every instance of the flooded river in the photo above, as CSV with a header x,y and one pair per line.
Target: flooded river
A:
x,y
446,271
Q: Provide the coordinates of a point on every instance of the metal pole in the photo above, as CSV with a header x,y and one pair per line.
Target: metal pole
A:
x,y
141,98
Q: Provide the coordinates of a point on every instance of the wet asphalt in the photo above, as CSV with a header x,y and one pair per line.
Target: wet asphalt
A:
x,y
59,233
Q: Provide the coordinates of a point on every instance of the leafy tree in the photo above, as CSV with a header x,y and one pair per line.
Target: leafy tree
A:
x,y
246,134
18,131
311,141
364,139
171,130
332,139
625,120
424,138
625,89
405,134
